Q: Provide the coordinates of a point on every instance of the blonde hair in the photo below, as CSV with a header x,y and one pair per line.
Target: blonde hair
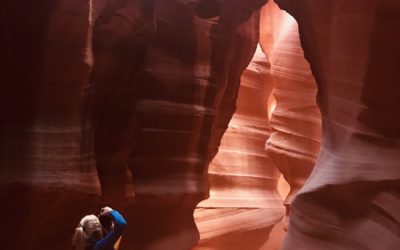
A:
x,y
89,229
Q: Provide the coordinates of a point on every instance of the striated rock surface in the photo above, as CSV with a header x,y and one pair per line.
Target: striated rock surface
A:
x,y
153,99
121,34
44,97
244,203
352,197
47,168
295,118
192,71
105,98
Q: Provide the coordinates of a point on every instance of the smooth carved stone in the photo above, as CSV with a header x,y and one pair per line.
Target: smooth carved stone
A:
x,y
191,76
48,176
122,31
244,203
208,9
153,99
44,95
353,192
295,119
244,28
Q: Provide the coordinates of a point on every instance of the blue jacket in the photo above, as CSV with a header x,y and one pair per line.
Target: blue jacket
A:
x,y
108,241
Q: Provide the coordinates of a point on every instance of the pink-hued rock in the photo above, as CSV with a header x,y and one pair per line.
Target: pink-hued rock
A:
x,y
101,100
231,217
351,199
296,121
158,100
185,100
244,202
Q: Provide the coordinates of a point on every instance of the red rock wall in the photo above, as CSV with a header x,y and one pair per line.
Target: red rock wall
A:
x,y
121,34
47,167
352,197
192,72
244,203
295,119
243,176
155,100
152,104
45,94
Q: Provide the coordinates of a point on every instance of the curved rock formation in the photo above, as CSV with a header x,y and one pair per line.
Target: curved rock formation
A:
x,y
122,31
244,203
352,197
296,122
159,91
153,101
192,71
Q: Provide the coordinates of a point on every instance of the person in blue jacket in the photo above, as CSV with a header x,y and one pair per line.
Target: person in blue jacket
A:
x,y
92,235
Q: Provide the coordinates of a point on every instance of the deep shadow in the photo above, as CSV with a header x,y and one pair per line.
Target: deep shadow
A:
x,y
120,38
42,218
21,69
208,9
381,92
163,137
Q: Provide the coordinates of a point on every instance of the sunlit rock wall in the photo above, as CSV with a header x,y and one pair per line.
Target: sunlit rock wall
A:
x,y
244,203
293,135
295,118
186,97
352,198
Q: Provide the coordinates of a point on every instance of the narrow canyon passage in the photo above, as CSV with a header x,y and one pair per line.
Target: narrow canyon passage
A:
x,y
209,124
276,129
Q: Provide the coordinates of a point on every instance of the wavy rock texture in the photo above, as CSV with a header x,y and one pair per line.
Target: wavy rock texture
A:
x,y
121,34
157,101
231,217
352,197
296,121
47,166
244,203
185,100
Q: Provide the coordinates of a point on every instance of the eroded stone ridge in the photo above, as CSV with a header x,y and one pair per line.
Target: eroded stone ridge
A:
x,y
162,77
244,202
295,118
353,191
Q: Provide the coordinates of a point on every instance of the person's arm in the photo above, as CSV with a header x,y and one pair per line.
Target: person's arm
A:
x,y
109,240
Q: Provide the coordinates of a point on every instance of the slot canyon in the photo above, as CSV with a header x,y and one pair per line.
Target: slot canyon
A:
x,y
209,124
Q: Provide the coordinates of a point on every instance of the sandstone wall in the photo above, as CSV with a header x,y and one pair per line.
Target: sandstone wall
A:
x,y
295,119
185,100
351,198
146,107
47,167
244,203
284,90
